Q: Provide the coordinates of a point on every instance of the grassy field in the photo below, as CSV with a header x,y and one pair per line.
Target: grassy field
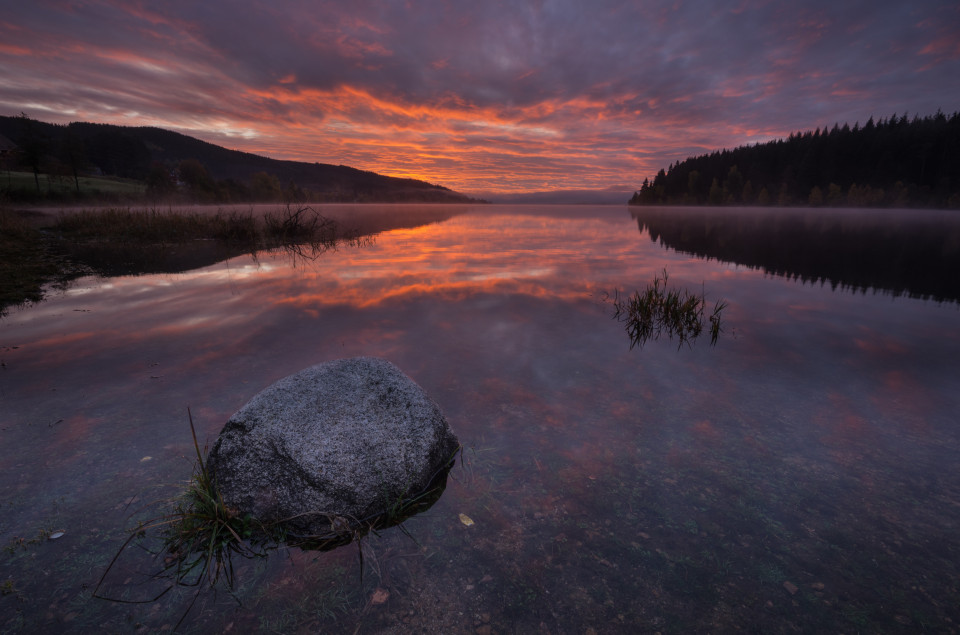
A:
x,y
14,182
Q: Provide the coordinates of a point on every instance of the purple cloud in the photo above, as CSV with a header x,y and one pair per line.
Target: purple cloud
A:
x,y
481,95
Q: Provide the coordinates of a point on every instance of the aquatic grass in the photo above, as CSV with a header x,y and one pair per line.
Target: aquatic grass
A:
x,y
17,542
26,262
202,532
36,250
166,227
333,602
129,225
198,538
125,241
234,227
141,239
658,311
303,233
7,587
302,223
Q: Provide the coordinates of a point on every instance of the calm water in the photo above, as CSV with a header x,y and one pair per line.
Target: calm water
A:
x,y
801,475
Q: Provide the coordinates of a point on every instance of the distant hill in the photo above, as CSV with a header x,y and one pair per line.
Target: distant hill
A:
x,y
211,173
563,197
890,163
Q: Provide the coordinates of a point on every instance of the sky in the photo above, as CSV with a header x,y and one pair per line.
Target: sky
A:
x,y
481,96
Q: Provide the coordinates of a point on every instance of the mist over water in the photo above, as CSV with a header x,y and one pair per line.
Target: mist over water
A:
x,y
799,475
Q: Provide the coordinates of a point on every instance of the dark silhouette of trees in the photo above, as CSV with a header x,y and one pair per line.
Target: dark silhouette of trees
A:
x,y
115,152
265,187
197,180
893,162
161,182
72,153
916,254
33,145
104,150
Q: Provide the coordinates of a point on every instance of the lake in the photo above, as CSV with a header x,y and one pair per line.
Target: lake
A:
x,y
800,475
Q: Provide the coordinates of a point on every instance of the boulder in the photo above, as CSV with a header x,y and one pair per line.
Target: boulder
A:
x,y
332,447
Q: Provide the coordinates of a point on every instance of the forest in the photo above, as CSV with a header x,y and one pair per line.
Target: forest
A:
x,y
894,162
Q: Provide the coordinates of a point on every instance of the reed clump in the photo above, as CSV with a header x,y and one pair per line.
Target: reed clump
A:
x,y
35,251
302,224
659,311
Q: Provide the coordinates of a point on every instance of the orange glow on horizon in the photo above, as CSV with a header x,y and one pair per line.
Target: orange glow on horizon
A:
x,y
479,108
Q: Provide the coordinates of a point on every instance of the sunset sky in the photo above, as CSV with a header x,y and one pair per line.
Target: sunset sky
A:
x,y
481,96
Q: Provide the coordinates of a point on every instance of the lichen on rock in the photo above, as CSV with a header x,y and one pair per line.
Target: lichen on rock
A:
x,y
345,440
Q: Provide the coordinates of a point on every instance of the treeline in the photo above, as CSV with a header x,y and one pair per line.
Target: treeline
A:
x,y
179,167
895,162
191,179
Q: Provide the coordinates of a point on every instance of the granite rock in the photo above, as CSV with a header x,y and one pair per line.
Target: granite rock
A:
x,y
331,447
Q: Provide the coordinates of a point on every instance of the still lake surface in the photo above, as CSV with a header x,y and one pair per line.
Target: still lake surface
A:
x,y
800,475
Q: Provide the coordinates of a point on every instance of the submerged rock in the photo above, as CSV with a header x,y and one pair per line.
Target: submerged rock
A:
x,y
330,448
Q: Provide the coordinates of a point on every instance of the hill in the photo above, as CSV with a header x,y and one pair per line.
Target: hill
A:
x,y
171,164
610,196
890,163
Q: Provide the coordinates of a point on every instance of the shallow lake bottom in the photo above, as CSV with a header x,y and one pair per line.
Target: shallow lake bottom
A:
x,y
800,475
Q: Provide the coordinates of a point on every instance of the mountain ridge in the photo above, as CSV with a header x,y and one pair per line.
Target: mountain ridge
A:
x,y
144,152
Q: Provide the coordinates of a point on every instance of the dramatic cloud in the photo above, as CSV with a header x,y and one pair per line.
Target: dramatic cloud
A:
x,y
481,96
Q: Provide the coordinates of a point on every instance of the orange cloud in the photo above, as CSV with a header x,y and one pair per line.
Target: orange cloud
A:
x,y
455,98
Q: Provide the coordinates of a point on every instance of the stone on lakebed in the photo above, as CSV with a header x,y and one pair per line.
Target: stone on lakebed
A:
x,y
343,440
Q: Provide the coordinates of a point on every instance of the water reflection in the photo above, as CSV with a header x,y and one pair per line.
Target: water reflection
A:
x,y
609,490
197,543
303,233
673,313
899,252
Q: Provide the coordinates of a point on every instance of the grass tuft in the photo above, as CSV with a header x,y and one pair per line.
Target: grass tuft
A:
x,y
202,531
659,311
199,537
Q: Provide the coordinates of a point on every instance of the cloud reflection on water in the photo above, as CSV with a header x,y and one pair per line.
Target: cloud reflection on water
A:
x,y
823,409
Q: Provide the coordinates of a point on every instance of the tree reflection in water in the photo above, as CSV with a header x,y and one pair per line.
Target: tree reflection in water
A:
x,y
915,253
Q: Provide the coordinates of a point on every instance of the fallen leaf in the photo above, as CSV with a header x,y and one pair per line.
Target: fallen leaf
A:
x,y
379,596
56,534
146,458
466,520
